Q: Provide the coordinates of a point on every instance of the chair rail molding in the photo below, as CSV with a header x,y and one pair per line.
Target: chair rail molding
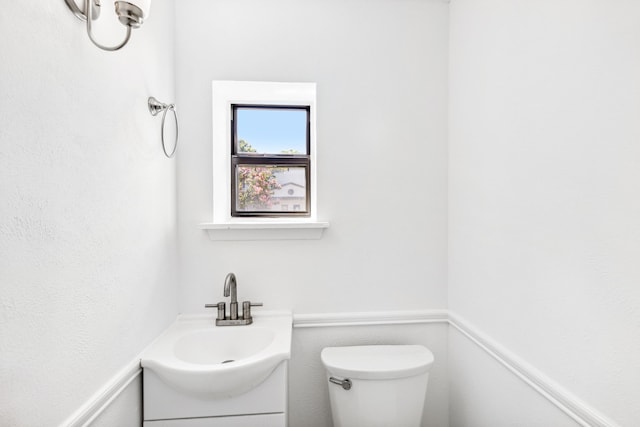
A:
x,y
101,400
567,402
323,320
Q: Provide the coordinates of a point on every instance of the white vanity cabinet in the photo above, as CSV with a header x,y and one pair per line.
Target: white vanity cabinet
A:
x,y
263,406
200,374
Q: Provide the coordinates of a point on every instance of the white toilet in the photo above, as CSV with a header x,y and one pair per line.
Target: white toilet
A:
x,y
377,385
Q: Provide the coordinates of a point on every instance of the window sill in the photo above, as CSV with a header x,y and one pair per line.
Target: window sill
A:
x,y
265,231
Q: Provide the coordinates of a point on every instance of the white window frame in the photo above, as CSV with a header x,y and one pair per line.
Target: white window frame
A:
x,y
224,226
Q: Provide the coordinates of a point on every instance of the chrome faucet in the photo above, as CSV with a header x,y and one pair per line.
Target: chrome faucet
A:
x,y
231,289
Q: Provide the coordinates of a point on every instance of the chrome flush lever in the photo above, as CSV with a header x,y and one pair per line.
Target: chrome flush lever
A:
x,y
345,383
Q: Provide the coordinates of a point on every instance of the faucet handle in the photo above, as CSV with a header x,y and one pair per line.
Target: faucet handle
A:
x,y
221,309
246,308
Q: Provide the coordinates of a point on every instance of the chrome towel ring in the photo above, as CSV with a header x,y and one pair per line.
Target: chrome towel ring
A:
x,y
155,107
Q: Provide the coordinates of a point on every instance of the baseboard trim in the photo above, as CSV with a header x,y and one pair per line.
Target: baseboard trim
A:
x,y
326,320
568,403
101,400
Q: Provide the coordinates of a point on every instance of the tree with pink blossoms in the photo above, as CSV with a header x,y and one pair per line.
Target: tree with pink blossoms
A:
x,y
256,184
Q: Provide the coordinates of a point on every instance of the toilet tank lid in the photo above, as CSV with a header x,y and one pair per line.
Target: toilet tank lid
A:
x,y
374,362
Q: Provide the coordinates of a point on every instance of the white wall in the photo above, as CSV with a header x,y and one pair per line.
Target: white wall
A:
x,y
381,129
125,410
542,184
485,394
87,219
543,191
381,71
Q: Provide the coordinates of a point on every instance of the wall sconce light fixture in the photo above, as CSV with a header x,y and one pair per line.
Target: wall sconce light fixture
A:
x,y
131,14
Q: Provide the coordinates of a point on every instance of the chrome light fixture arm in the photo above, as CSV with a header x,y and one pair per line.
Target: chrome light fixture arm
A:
x,y
90,33
129,15
80,14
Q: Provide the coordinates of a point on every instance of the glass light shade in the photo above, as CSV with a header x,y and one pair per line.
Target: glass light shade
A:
x,y
132,13
144,5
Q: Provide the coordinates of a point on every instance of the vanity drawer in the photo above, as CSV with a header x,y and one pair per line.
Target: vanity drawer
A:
x,y
163,402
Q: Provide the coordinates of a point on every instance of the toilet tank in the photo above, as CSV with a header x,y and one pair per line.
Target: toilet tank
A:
x,y
388,384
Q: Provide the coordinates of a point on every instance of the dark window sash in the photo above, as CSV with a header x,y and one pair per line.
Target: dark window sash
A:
x,y
269,160
238,161
234,128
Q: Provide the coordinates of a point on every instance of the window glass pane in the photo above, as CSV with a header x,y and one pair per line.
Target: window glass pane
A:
x,y
266,130
264,188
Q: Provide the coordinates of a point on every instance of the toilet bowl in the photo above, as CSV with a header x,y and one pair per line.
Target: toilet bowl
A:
x,y
377,385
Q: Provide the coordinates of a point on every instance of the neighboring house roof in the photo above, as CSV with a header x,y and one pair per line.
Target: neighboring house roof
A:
x,y
292,180
284,184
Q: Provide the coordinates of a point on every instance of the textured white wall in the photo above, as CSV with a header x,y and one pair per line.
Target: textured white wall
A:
x,y
381,70
87,218
544,185
543,160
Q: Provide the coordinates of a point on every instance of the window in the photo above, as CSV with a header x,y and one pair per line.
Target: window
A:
x,y
270,153
237,108
264,131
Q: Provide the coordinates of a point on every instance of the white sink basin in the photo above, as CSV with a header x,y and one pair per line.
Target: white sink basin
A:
x,y
197,357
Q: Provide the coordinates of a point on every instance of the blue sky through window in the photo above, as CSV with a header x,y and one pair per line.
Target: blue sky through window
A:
x,y
273,130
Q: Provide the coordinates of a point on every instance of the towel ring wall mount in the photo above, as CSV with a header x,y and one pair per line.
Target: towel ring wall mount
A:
x,y
156,107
